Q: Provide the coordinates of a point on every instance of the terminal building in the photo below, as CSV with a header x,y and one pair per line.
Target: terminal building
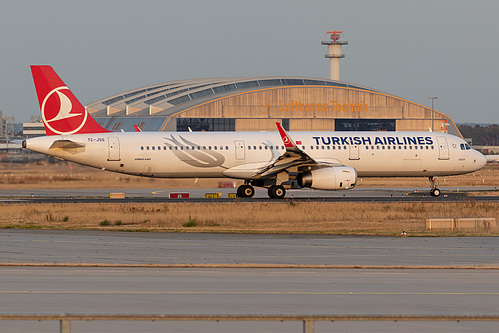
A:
x,y
256,103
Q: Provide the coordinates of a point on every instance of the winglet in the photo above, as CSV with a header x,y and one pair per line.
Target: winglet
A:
x,y
137,128
286,139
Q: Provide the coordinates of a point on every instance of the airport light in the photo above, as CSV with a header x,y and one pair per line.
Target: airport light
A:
x,y
432,110
432,102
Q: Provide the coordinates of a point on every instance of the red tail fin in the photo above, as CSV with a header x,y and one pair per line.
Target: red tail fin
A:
x,y
62,113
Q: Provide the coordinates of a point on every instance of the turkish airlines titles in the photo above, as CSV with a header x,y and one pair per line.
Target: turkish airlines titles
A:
x,y
365,140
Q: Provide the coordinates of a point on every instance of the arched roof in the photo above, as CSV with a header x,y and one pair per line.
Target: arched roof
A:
x,y
169,97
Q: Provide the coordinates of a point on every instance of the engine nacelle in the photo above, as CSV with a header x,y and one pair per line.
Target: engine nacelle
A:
x,y
333,178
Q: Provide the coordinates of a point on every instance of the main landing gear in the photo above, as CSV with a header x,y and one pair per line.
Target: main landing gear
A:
x,y
245,191
435,192
274,191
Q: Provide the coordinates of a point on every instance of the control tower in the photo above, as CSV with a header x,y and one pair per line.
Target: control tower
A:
x,y
334,52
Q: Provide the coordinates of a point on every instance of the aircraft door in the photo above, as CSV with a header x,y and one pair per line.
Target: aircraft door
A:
x,y
443,148
114,149
354,152
240,152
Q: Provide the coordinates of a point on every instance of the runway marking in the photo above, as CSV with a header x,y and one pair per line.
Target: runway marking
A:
x,y
249,266
248,293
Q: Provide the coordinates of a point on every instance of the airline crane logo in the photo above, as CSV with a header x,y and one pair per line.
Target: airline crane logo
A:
x,y
58,114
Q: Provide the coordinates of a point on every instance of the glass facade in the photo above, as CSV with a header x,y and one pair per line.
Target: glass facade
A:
x,y
365,125
206,124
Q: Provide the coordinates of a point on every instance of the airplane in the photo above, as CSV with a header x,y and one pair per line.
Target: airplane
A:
x,y
273,160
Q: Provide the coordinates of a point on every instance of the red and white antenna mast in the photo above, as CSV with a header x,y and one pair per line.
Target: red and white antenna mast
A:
x,y
334,52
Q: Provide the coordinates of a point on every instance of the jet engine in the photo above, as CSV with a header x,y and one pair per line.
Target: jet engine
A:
x,y
332,178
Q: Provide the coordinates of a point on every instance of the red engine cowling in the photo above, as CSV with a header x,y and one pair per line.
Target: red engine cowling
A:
x,y
334,178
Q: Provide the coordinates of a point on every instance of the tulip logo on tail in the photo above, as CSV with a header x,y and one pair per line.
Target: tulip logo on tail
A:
x,y
57,112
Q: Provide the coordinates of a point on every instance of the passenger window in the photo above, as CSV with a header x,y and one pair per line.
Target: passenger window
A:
x,y
226,147
142,148
187,148
215,147
147,147
153,148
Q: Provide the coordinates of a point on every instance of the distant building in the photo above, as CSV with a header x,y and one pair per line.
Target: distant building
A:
x,y
33,129
256,103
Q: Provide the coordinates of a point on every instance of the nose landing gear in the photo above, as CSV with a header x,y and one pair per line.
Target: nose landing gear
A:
x,y
434,192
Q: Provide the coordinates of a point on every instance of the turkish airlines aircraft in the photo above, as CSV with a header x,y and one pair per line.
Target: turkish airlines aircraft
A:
x,y
274,160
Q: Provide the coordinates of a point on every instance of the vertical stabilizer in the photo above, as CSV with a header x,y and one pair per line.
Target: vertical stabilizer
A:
x,y
62,113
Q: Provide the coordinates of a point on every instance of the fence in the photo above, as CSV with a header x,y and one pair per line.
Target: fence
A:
x,y
308,320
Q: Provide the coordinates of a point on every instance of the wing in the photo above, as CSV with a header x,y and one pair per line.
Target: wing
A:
x,y
293,157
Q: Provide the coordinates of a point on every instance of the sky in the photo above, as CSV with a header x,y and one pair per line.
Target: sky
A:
x,y
411,49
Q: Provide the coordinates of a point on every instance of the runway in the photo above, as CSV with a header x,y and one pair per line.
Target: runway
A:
x,y
245,291
399,194
106,247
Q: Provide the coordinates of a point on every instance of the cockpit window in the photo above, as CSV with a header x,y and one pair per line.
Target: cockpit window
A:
x,y
465,146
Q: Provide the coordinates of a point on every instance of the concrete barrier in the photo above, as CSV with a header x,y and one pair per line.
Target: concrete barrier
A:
x,y
116,195
468,223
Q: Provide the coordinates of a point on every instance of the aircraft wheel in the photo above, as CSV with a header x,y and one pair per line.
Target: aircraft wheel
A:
x,y
277,192
245,191
435,192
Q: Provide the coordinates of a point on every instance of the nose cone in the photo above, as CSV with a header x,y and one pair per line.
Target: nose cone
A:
x,y
480,160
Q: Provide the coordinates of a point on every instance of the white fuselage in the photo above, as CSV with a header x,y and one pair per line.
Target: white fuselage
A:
x,y
241,154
